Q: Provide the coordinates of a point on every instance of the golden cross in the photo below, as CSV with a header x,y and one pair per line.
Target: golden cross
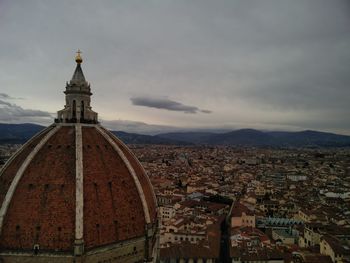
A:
x,y
78,58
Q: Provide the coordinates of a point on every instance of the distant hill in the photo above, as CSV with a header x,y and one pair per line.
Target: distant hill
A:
x,y
192,137
19,133
133,138
251,137
311,138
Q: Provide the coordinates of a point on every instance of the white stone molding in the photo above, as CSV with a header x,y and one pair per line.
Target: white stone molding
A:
x,y
143,169
79,187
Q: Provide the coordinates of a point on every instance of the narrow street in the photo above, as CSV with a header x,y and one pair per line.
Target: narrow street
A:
x,y
224,243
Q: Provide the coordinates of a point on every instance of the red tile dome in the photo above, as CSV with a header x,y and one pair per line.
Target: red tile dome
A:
x,y
75,187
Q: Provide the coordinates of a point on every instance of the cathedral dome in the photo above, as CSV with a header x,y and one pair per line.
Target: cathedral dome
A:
x,y
76,193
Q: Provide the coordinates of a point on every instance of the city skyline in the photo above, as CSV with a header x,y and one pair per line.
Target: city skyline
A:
x,y
190,65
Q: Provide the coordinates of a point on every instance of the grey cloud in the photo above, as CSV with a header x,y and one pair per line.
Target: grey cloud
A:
x,y
286,57
8,97
4,96
153,129
165,104
13,113
137,127
5,103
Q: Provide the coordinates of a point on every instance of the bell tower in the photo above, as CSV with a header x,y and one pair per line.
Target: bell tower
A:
x,y
78,98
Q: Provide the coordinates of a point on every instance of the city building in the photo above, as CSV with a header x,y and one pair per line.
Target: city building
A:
x,y
337,249
242,216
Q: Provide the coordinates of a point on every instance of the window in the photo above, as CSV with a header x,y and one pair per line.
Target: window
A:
x,y
82,109
74,113
36,249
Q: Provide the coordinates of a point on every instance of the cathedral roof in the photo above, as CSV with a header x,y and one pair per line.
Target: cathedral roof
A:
x,y
74,181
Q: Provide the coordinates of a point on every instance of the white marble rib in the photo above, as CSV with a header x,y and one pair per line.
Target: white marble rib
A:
x,y
79,187
143,169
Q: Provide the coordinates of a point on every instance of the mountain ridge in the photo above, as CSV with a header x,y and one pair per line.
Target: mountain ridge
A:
x,y
19,133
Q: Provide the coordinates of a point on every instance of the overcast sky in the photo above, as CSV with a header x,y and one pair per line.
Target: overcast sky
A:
x,y
282,64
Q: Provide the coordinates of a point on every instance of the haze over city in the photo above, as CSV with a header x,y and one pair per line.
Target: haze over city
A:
x,y
155,65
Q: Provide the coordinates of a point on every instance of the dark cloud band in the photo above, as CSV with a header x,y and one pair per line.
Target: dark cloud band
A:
x,y
165,104
10,112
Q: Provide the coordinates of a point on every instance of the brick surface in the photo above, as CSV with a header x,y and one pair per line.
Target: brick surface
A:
x,y
9,173
42,210
146,186
112,207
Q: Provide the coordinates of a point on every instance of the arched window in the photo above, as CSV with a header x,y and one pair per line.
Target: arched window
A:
x,y
82,109
74,113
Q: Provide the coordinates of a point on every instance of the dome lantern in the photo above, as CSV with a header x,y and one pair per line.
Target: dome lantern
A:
x,y
78,99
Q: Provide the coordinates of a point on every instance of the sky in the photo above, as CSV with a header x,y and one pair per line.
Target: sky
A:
x,y
165,65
